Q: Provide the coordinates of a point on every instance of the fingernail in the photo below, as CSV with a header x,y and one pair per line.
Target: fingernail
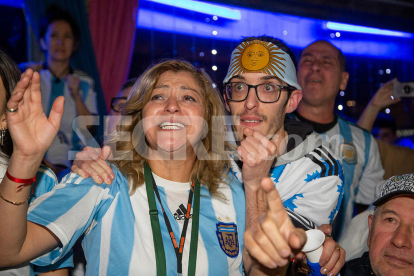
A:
x,y
100,179
322,263
285,252
330,274
112,176
324,271
108,180
273,265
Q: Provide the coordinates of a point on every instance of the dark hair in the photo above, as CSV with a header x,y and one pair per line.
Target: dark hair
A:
x,y
55,13
282,45
129,83
341,57
10,75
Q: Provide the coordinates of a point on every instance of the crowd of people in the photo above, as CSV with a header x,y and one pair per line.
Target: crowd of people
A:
x,y
177,189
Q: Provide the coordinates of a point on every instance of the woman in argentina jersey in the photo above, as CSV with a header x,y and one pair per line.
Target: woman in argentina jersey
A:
x,y
46,179
149,221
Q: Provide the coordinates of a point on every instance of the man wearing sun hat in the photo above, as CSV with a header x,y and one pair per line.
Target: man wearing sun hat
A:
x,y
259,89
391,232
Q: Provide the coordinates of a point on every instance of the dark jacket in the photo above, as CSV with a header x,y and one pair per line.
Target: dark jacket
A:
x,y
358,267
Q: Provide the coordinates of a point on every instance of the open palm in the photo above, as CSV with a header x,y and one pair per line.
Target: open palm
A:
x,y
31,131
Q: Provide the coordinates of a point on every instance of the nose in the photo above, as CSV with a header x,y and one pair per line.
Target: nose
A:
x,y
252,101
315,66
403,237
172,105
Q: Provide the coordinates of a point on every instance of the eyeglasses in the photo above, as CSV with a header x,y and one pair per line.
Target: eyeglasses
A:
x,y
265,92
116,102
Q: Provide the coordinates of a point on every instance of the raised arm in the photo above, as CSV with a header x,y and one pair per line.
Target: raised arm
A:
x,y
32,134
381,99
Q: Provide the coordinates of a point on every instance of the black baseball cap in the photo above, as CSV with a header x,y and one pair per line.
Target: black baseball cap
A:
x,y
396,185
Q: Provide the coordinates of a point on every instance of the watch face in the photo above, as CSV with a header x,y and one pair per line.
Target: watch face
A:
x,y
348,153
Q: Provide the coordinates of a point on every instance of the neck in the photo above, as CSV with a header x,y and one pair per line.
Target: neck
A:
x,y
173,170
322,114
59,68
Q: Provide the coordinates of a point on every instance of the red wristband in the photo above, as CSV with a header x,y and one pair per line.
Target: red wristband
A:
x,y
25,182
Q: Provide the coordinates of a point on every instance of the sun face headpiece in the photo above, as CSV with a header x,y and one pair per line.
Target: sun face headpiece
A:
x,y
258,56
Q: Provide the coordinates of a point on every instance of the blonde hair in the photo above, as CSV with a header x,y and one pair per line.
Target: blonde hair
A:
x,y
210,169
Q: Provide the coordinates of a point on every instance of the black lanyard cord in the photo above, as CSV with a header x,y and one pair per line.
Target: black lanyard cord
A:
x,y
179,248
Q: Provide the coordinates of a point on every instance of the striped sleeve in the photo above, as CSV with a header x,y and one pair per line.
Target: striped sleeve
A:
x,y
69,210
316,184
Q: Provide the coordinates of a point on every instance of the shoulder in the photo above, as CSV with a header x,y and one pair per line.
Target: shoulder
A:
x,y
354,127
83,76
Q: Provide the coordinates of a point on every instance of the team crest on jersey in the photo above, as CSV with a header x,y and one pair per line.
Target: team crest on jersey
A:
x,y
228,238
348,153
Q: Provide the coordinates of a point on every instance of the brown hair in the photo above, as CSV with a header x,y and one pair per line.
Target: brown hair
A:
x,y
10,75
210,169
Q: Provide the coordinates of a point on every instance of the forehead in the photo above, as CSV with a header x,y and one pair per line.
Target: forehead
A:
x,y
322,49
59,25
177,77
402,205
255,78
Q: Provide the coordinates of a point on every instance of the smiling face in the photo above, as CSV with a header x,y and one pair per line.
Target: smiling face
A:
x,y
268,118
59,41
173,118
391,237
319,74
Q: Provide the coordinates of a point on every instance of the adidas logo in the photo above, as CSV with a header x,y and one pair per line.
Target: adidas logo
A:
x,y
180,213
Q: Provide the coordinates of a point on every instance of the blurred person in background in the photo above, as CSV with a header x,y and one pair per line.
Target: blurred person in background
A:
x,y
59,39
395,159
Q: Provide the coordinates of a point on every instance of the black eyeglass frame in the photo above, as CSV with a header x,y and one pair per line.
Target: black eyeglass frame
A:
x,y
249,86
114,100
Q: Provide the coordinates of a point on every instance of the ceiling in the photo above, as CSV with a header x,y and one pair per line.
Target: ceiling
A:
x,y
385,14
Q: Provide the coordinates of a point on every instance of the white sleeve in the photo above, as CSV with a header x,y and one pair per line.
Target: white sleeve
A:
x,y
372,177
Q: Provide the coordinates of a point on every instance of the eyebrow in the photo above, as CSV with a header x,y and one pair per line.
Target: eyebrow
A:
x,y
389,211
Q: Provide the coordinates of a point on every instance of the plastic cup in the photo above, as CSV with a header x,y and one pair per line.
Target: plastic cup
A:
x,y
314,245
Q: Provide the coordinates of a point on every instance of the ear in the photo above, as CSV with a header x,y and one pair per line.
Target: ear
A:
x,y
344,80
294,101
43,44
370,217
226,101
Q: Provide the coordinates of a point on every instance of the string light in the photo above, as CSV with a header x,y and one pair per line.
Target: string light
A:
x,y
337,34
214,68
388,71
387,111
342,93
340,107
215,17
214,32
214,52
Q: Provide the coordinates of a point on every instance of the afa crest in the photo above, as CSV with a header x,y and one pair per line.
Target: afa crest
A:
x,y
228,238
348,153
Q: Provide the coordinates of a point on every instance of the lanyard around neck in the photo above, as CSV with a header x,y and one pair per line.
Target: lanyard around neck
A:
x,y
156,229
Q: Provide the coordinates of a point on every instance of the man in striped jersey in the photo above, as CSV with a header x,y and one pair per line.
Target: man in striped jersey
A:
x,y
322,73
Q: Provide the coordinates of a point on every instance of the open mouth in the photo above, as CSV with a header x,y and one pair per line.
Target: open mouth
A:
x,y
169,125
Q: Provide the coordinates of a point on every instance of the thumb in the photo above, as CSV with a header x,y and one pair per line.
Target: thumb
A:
x,y
56,112
297,240
105,153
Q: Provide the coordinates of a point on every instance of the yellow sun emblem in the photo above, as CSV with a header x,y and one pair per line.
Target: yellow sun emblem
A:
x,y
257,57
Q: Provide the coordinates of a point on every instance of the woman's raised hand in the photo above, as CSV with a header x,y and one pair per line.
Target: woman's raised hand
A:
x,y
31,131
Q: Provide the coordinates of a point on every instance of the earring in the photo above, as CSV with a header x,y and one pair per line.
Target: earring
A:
x,y
2,135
